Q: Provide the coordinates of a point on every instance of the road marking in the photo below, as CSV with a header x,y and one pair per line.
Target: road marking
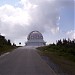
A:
x,y
4,54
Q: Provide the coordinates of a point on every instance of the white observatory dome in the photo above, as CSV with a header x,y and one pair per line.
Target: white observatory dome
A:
x,y
35,35
35,38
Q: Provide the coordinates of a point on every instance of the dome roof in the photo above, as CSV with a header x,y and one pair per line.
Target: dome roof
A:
x,y
35,35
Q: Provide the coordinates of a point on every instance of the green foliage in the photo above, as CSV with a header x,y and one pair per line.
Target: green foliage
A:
x,y
64,48
5,45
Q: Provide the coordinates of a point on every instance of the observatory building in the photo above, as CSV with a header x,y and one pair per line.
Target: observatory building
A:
x,y
35,38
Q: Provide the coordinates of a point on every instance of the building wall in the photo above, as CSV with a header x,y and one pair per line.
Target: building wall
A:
x,y
35,44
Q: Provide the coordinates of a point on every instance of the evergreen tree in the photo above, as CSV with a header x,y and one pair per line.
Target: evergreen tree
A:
x,y
59,42
14,44
9,43
65,42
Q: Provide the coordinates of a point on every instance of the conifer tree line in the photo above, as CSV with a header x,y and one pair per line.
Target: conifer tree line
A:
x,y
3,41
5,45
66,42
62,47
66,46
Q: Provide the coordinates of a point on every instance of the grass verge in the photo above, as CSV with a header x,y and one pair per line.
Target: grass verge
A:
x,y
6,48
64,60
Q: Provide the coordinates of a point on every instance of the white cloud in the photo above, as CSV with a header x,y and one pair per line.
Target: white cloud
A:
x,y
71,34
14,15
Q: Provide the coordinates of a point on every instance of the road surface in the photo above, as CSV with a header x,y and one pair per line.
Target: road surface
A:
x,y
24,61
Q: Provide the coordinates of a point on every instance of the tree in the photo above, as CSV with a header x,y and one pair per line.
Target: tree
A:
x,y
59,42
65,42
19,43
14,44
9,43
2,40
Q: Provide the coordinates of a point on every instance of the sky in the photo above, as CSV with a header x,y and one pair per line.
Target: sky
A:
x,y
55,19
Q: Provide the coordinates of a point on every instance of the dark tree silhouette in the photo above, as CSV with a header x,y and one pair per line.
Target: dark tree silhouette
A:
x,y
65,42
14,44
59,42
19,43
9,43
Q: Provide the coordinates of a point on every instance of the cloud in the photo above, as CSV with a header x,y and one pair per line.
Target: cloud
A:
x,y
71,34
13,15
43,13
13,21
17,22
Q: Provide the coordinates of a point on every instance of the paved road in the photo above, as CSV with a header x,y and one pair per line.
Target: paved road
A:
x,y
24,61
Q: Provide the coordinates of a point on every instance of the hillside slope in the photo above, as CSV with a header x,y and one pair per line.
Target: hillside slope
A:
x,y
5,45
